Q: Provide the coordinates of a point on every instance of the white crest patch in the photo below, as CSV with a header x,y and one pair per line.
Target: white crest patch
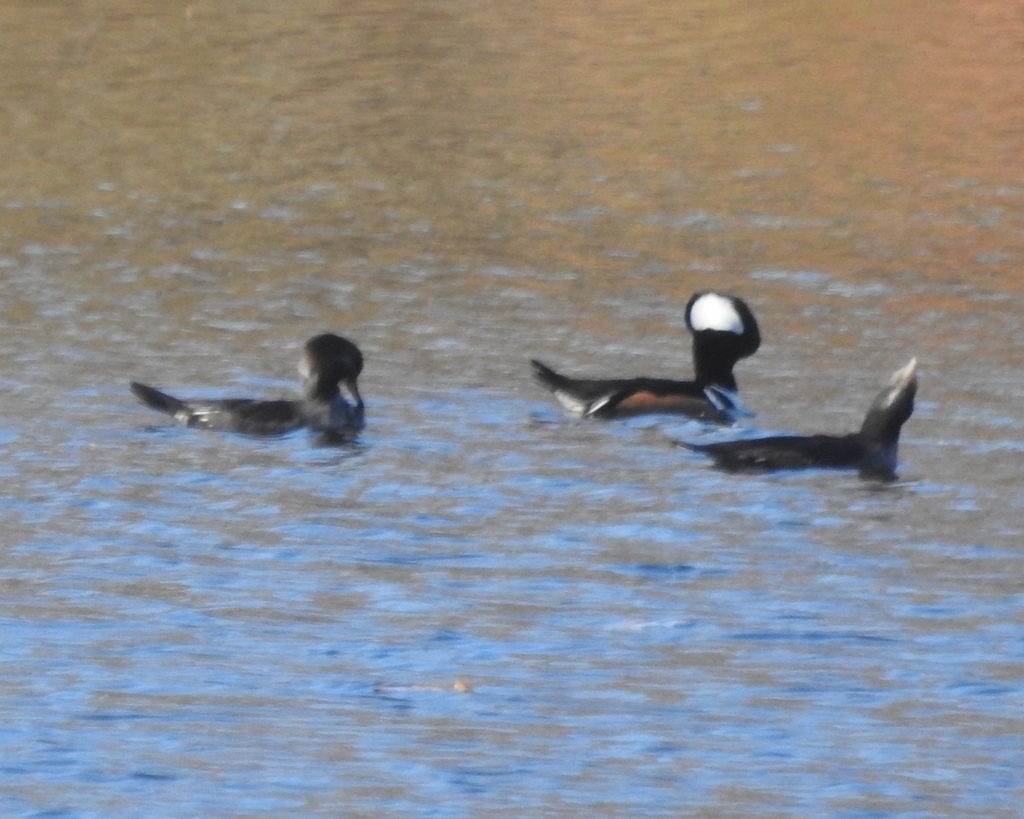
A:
x,y
899,380
714,312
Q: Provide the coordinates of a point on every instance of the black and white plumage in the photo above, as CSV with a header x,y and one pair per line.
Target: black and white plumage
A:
x,y
328,362
872,450
724,331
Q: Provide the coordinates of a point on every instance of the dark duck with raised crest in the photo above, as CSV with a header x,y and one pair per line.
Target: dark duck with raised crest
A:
x,y
724,331
872,450
328,363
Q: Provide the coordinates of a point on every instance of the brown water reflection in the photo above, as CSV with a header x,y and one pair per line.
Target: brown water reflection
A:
x,y
895,129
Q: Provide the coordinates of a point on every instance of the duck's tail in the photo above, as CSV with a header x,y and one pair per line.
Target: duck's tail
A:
x,y
153,398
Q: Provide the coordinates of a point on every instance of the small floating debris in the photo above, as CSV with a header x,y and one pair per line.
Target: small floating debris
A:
x,y
459,687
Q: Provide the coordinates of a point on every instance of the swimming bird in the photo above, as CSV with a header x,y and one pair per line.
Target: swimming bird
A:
x,y
724,331
872,450
328,362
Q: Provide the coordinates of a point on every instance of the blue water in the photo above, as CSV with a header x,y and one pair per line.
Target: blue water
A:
x,y
486,603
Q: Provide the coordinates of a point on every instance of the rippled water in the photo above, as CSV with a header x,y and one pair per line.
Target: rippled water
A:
x,y
485,607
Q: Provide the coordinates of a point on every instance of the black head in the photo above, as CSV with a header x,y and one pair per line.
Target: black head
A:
x,y
327,361
724,331
892,407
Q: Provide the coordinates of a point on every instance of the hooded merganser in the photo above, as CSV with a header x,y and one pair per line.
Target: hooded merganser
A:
x,y
327,362
873,450
724,331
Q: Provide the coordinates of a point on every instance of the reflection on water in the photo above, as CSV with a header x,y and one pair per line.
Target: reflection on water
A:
x,y
484,601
